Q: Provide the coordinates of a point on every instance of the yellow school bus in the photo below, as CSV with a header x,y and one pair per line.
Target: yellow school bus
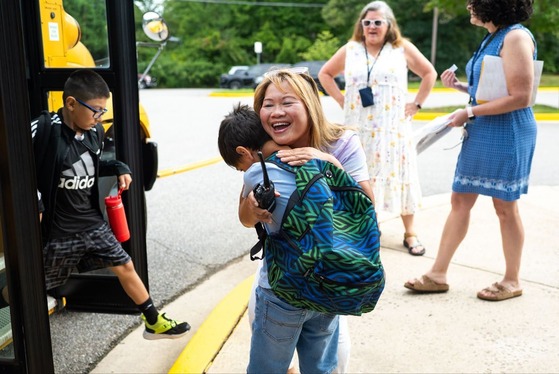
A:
x,y
43,43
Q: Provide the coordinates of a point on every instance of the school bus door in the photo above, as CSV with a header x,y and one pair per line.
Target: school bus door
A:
x,y
51,59
24,86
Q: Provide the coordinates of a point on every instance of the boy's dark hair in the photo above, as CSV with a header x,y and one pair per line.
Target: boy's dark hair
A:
x,y
85,84
241,127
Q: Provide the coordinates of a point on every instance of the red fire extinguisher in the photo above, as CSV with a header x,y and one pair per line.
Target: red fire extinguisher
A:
x,y
117,217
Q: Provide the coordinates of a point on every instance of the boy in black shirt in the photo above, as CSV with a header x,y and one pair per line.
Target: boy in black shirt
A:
x,y
67,149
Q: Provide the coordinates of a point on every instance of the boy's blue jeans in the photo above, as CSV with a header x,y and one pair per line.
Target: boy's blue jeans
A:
x,y
279,328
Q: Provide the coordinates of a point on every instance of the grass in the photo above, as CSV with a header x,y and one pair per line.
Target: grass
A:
x,y
447,109
548,80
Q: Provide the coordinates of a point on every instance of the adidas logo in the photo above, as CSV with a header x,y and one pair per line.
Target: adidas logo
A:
x,y
76,183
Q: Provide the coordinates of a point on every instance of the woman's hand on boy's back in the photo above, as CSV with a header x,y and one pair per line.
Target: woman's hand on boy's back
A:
x,y
299,156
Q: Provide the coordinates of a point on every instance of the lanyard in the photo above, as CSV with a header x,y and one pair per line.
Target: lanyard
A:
x,y
489,37
374,62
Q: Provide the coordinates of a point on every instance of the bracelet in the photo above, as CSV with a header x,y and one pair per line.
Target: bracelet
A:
x,y
470,112
418,105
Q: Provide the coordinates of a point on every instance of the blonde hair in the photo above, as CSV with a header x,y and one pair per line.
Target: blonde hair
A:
x,y
322,133
393,35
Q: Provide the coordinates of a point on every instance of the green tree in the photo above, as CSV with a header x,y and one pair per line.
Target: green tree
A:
x,y
543,25
415,21
92,18
340,15
217,36
148,5
543,20
457,38
323,48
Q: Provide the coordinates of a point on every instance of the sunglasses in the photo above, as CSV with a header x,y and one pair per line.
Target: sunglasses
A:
x,y
373,22
295,70
97,113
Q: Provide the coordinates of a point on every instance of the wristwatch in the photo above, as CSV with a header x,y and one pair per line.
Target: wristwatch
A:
x,y
470,112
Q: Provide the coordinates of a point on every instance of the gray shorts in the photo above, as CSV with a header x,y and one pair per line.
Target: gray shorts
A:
x,y
90,250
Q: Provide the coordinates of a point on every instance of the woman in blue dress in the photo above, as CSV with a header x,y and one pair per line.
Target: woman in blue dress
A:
x,y
497,152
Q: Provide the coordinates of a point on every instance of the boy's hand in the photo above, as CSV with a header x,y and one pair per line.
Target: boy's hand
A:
x,y
262,215
124,181
250,213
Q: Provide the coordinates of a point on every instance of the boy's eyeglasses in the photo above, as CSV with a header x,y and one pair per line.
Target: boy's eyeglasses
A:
x,y
97,113
295,70
373,22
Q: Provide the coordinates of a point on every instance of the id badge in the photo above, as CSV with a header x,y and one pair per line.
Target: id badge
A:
x,y
367,98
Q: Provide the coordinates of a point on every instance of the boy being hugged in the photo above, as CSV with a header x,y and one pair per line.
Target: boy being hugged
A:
x,y
241,136
67,149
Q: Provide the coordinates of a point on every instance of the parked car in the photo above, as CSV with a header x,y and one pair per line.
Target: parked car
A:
x,y
260,76
238,68
147,82
314,68
243,79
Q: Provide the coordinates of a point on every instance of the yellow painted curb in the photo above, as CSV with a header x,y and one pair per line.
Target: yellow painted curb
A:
x,y
411,90
204,346
168,172
425,116
231,94
428,116
547,116
420,116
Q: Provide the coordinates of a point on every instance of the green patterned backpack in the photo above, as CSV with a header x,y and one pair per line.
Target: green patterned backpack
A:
x,y
325,257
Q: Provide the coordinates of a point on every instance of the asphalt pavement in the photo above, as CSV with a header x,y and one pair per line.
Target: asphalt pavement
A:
x,y
407,333
198,265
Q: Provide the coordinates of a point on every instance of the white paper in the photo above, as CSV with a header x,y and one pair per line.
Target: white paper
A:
x,y
432,132
492,83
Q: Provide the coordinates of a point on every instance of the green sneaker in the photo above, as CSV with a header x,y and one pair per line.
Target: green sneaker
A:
x,y
164,328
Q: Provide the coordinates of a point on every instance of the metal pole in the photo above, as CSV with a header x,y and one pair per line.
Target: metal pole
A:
x,y
160,47
434,35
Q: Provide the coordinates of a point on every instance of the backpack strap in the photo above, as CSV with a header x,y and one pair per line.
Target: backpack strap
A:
x,y
260,230
40,133
274,159
259,246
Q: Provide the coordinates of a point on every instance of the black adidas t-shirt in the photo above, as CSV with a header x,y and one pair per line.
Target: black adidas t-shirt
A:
x,y
75,211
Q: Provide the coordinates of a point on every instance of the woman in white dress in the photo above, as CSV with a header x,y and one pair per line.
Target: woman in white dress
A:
x,y
375,63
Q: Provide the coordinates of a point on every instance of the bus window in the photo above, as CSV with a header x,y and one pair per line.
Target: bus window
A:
x,y
69,44
75,34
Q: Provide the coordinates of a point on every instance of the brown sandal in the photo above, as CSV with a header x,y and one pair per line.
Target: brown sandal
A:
x,y
426,285
498,292
412,247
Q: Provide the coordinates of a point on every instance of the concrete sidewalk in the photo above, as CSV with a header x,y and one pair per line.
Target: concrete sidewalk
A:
x,y
442,333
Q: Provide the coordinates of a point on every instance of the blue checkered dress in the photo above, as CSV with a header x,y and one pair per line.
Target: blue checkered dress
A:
x,y
496,157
